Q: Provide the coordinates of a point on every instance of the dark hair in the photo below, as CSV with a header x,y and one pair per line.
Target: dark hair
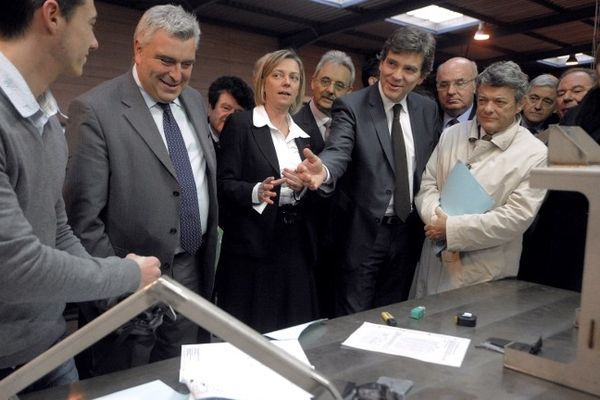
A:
x,y
411,40
370,68
241,92
16,16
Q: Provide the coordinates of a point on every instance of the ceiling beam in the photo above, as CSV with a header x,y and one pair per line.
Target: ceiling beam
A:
x,y
525,58
520,27
319,30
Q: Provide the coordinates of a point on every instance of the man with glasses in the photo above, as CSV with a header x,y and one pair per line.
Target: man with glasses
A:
x,y
455,83
333,78
540,103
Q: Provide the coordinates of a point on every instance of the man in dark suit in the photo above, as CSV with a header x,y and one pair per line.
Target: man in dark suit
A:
x,y
333,78
381,139
455,83
226,95
540,104
142,178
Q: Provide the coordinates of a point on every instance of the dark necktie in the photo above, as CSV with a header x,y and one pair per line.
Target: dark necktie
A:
x,y
189,213
453,121
327,129
487,137
401,188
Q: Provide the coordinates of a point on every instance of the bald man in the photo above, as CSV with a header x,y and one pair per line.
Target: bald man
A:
x,y
455,83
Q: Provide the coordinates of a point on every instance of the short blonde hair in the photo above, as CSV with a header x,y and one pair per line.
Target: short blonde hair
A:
x,y
268,63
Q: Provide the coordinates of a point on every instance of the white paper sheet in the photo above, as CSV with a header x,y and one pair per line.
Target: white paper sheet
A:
x,y
293,332
221,370
156,390
424,346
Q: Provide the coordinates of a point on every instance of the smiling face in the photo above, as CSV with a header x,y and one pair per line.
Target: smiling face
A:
x,y
331,82
496,108
164,65
399,73
571,90
77,39
282,85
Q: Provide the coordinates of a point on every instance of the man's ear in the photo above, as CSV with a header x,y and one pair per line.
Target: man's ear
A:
x,y
520,104
50,15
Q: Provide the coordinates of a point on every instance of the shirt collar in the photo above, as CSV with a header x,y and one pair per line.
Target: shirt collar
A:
x,y
149,100
320,117
19,94
260,118
501,139
464,117
388,104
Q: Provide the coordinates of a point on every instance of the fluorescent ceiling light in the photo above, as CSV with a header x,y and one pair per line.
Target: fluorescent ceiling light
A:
x,y
339,3
435,19
561,61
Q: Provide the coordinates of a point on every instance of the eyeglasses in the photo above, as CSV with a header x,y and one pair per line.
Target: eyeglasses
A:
x,y
325,82
546,101
459,84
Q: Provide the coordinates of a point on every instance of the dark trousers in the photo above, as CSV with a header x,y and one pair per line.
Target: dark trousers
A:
x,y
133,347
383,276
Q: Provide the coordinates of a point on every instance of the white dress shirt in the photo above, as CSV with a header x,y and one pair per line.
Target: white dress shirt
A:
x,y
409,143
37,111
321,119
190,138
288,155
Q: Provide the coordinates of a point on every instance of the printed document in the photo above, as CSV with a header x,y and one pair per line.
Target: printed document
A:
x,y
420,345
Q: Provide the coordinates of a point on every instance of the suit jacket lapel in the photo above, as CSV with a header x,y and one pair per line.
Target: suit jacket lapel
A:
x,y
302,143
381,125
139,116
305,120
263,139
415,113
197,115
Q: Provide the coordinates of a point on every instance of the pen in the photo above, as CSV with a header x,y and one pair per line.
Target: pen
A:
x,y
388,319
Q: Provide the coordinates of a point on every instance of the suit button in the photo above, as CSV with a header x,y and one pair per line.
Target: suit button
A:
x,y
172,231
166,266
388,191
176,193
377,220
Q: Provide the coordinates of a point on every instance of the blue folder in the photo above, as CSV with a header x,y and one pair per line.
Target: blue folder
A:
x,y
461,195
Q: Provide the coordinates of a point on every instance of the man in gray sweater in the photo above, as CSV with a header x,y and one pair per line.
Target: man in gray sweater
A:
x,y
42,264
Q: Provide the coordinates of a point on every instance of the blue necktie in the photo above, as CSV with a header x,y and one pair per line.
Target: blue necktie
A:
x,y
189,213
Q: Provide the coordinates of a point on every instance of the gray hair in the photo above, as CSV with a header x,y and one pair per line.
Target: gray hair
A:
x,y
544,80
412,40
339,58
173,19
507,74
588,71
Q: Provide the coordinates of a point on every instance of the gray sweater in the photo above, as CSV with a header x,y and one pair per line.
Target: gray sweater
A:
x,y
42,264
